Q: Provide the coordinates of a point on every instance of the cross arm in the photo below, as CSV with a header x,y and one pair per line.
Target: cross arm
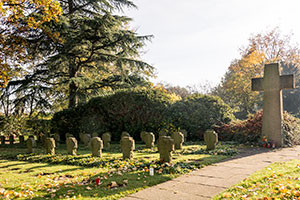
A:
x,y
257,84
287,81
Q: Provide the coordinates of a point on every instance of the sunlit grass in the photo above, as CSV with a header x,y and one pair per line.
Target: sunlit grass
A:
x,y
118,178
277,181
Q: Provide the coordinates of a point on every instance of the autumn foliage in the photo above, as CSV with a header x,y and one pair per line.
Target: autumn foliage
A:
x,y
19,18
263,48
249,130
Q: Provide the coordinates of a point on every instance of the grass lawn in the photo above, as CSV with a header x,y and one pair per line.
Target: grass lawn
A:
x,y
61,176
278,181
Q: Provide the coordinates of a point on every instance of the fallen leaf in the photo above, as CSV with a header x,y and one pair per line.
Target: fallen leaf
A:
x,y
88,188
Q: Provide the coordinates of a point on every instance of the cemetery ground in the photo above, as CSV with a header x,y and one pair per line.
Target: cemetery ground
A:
x,y
61,176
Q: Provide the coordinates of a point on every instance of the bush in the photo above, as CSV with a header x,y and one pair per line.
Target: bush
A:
x,y
249,131
37,126
142,110
198,113
66,121
126,110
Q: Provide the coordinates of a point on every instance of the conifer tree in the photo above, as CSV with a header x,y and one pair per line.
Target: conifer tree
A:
x,y
96,49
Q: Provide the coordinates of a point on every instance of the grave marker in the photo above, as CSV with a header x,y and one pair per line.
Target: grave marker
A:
x,y
272,84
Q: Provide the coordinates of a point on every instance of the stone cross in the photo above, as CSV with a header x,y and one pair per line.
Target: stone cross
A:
x,y
272,84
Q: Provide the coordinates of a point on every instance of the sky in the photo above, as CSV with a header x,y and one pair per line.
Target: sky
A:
x,y
196,40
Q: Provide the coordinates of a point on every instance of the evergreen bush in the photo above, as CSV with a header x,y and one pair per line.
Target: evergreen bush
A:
x,y
125,110
198,112
137,110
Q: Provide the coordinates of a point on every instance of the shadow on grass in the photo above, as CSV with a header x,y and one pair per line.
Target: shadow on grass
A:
x,y
87,188
11,165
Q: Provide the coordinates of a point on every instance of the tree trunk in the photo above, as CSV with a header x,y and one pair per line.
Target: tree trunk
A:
x,y
73,88
73,97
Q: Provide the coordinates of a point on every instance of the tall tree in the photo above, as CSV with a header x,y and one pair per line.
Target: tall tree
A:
x,y
235,87
96,50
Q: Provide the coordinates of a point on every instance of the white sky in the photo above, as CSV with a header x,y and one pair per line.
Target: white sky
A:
x,y
196,40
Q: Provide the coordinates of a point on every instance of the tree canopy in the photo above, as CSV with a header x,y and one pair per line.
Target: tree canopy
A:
x,y
95,51
19,19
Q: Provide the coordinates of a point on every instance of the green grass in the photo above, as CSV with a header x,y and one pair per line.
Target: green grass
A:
x,y
40,176
278,181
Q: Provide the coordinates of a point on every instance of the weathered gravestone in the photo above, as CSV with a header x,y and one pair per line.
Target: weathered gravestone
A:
x,y
31,144
149,139
72,146
50,146
96,146
166,146
272,84
160,134
81,137
56,138
178,138
127,147
86,139
11,139
142,135
185,133
210,139
106,137
125,134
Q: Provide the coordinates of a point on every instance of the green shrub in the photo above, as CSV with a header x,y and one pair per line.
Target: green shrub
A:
x,y
37,126
198,113
142,110
66,121
126,110
249,130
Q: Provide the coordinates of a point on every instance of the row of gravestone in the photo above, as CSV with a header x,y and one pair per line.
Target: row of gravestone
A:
x,y
166,144
11,139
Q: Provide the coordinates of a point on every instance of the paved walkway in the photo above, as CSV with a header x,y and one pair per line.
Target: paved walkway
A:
x,y
209,181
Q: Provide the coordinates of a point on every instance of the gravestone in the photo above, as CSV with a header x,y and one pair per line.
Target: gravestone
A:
x,y
160,134
57,138
106,137
50,146
185,133
72,146
127,147
142,135
149,139
272,85
2,137
166,146
31,144
97,146
11,139
210,139
125,134
86,139
178,138
81,137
